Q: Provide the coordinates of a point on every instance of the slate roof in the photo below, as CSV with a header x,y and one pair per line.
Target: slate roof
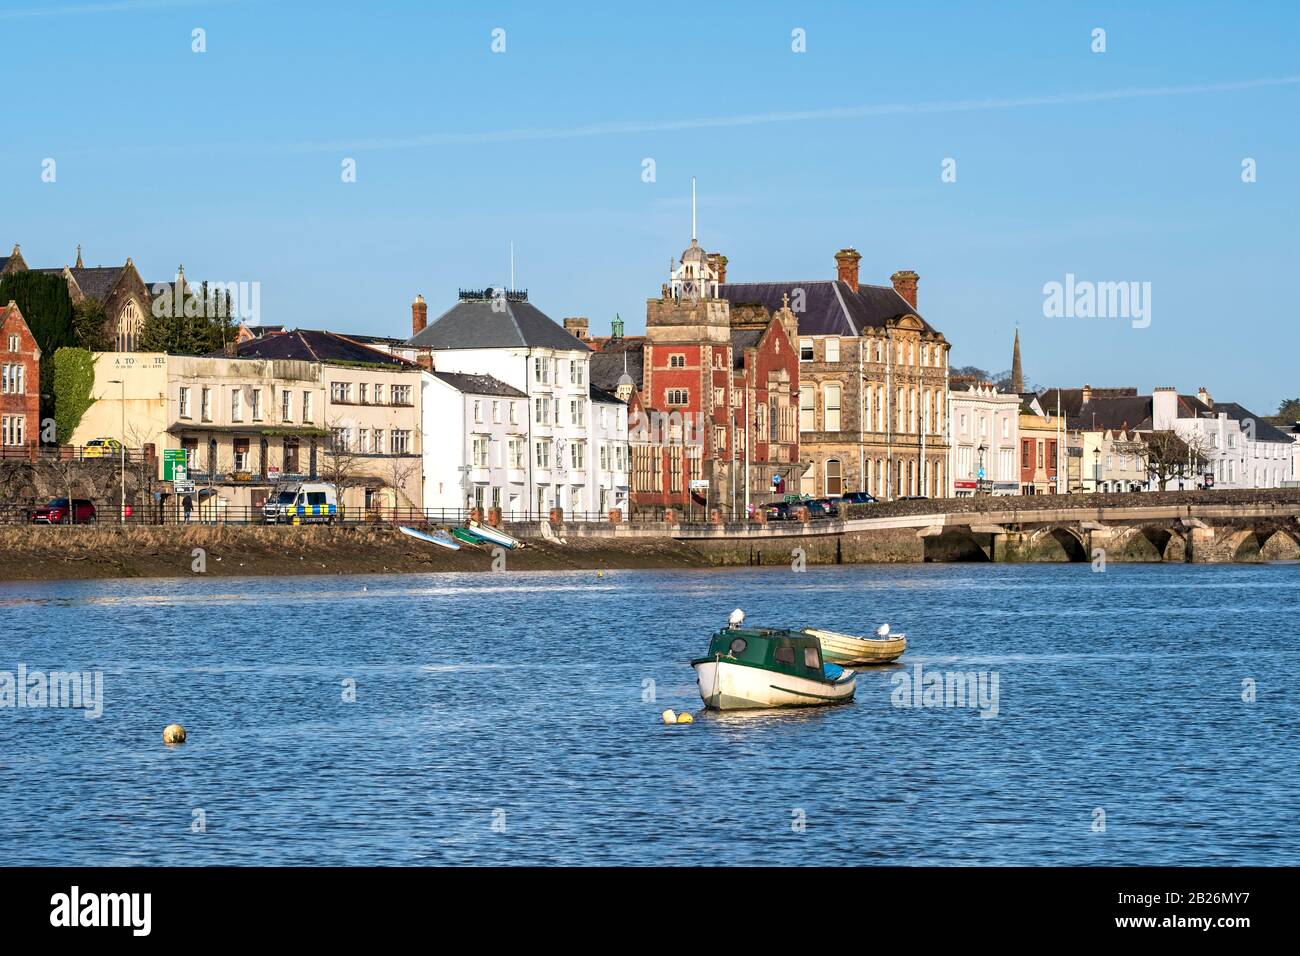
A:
x,y
484,323
310,345
607,364
479,384
1121,411
96,282
831,307
1072,398
1264,430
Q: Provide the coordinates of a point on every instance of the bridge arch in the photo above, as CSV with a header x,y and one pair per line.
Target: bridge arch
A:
x,y
1058,543
1150,543
957,543
1268,542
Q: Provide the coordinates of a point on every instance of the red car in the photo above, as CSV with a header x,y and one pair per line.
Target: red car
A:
x,y
58,512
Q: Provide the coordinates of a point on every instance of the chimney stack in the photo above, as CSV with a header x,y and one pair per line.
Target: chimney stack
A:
x,y
905,285
577,327
419,315
1087,394
846,267
718,263
1204,396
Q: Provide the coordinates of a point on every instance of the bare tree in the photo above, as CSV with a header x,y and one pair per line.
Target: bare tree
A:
x,y
65,473
137,435
341,461
1170,456
400,469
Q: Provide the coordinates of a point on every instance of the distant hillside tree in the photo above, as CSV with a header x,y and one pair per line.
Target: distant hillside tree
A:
x,y
191,323
1289,410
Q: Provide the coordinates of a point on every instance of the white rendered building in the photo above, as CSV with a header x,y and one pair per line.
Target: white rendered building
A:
x,y
984,429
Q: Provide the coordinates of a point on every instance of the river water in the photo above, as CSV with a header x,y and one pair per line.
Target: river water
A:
x,y
1144,715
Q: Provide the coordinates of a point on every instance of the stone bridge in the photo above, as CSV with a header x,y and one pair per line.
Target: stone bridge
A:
x,y
1198,526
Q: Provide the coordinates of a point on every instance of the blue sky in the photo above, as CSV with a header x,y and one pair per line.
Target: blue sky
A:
x,y
1120,166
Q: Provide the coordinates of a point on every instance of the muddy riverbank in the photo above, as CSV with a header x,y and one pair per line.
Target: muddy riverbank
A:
x,y
69,553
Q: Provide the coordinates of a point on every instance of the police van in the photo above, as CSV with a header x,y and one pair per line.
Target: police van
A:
x,y
307,502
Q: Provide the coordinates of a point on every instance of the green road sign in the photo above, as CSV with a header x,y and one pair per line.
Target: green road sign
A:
x,y
173,461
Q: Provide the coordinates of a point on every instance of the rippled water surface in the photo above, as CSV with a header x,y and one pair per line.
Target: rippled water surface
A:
x,y
520,701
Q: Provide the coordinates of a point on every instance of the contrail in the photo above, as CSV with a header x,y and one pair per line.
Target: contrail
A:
x,y
798,116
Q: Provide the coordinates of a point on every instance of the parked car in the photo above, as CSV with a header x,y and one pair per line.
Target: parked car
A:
x,y
857,498
58,512
830,505
778,511
101,448
816,507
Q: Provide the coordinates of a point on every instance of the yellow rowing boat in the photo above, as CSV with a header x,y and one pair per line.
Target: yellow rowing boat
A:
x,y
849,649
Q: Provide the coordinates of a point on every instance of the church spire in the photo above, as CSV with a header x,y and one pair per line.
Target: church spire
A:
x,y
1017,374
79,265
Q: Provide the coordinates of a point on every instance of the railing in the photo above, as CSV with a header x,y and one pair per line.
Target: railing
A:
x,y
36,452
204,510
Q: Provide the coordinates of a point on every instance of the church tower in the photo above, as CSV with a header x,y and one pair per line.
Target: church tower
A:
x,y
1017,374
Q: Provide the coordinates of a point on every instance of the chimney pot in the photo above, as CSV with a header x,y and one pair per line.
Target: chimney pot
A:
x,y
905,282
1087,394
846,266
419,315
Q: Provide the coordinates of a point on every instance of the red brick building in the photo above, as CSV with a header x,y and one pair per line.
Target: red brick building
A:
x,y
717,425
20,378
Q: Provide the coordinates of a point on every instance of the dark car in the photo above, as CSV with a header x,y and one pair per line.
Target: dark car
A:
x,y
778,511
817,507
829,505
857,498
58,512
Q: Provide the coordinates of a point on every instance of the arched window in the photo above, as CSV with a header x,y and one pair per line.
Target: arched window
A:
x,y
834,477
129,321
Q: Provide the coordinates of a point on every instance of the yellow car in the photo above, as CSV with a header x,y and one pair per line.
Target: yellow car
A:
x,y
101,448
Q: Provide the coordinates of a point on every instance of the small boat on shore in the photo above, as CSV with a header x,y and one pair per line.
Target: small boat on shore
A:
x,y
494,535
759,667
852,650
440,538
468,536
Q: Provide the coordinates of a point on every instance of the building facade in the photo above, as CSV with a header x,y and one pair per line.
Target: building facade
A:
x,y
500,334
872,376
478,453
983,441
715,420
20,378
248,423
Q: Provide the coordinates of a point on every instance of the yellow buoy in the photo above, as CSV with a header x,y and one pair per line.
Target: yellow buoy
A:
x,y
173,734
669,716
685,719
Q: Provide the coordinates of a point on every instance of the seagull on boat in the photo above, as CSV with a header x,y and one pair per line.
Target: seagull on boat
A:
x,y
882,631
737,618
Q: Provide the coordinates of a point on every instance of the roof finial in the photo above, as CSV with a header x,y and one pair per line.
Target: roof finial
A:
x,y
79,265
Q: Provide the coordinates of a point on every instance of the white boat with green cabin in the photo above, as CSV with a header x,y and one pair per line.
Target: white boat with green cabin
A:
x,y
758,667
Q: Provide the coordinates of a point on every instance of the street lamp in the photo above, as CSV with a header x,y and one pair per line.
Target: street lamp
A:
x,y
121,447
1096,469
